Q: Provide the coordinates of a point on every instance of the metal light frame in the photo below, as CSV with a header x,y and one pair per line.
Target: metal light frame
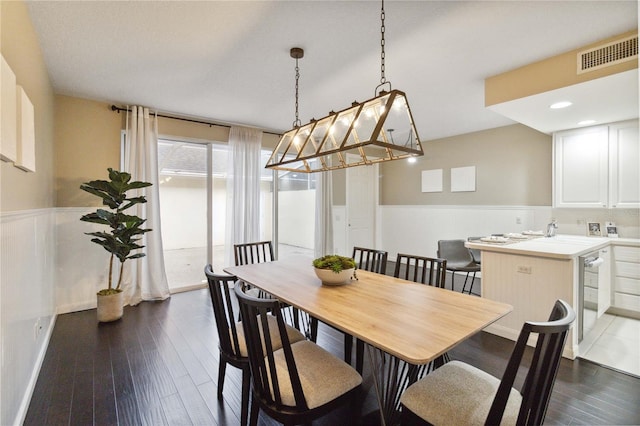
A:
x,y
379,129
370,130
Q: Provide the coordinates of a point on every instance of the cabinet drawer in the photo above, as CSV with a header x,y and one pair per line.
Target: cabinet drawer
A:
x,y
626,254
627,301
627,269
627,285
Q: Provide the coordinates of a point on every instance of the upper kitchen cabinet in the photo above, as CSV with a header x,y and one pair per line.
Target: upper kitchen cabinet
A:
x,y
624,165
597,167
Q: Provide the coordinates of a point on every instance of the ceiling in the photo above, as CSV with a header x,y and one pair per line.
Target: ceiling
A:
x,y
229,61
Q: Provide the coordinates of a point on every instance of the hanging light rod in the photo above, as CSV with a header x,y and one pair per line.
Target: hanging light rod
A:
x,y
379,129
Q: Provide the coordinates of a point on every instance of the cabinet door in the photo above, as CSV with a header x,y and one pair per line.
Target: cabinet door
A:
x,y
581,167
624,165
604,282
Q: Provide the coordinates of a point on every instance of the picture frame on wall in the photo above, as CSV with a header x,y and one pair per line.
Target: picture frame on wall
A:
x,y
593,229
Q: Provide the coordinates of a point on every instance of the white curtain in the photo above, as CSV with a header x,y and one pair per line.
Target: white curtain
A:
x,y
324,215
145,278
243,189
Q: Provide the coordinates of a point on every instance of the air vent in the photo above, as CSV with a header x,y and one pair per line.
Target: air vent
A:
x,y
608,54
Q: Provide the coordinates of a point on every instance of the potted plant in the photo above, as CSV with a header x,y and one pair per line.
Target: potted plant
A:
x,y
122,237
334,269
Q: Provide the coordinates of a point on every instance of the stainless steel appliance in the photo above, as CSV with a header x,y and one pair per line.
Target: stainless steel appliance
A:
x,y
592,301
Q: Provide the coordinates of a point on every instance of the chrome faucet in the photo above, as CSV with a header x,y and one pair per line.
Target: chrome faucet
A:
x,y
551,229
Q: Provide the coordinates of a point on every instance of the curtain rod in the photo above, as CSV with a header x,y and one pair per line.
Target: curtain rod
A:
x,y
118,109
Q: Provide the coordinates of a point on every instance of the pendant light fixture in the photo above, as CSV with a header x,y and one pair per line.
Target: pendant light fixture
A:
x,y
376,130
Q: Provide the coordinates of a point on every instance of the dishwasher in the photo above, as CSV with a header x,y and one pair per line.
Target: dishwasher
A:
x,y
594,296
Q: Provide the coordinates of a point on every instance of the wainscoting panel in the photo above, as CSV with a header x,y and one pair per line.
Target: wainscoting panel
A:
x,y
82,266
27,304
417,229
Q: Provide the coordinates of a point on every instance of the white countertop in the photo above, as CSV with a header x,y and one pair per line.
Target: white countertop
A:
x,y
559,247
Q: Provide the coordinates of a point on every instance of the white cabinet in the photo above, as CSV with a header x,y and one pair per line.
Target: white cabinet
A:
x,y
597,166
626,278
624,165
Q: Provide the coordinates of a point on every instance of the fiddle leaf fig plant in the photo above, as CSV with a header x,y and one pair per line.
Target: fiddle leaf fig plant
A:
x,y
124,231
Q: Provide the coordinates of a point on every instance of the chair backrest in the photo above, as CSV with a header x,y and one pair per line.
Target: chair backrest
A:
x,y
258,252
425,270
543,369
223,311
260,347
475,253
455,252
370,259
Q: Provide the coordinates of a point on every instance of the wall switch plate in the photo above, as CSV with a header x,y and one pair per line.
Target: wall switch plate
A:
x,y
524,269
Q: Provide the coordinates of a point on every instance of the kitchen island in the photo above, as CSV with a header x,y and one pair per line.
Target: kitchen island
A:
x,y
532,274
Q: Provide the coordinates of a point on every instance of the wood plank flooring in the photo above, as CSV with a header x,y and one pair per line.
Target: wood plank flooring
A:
x,y
158,366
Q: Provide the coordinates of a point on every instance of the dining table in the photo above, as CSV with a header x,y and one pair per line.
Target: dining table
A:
x,y
404,324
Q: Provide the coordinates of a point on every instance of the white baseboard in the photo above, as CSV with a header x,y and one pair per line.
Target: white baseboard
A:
x,y
31,385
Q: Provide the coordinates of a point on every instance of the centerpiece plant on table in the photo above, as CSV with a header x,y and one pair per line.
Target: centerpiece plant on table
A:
x,y
335,269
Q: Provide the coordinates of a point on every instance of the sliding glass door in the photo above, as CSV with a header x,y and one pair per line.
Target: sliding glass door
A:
x,y
193,199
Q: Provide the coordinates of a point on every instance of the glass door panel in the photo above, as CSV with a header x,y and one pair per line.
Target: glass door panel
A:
x,y
296,213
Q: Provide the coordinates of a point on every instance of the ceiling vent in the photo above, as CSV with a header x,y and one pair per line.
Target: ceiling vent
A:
x,y
608,54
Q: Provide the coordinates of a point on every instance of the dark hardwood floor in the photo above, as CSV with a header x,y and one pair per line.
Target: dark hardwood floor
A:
x,y
158,366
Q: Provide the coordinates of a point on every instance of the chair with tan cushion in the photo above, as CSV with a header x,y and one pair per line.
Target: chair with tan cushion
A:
x,y
299,382
262,251
460,394
232,345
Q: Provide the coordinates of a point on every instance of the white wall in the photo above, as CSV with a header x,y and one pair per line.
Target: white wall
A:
x,y
27,274
417,229
296,224
82,267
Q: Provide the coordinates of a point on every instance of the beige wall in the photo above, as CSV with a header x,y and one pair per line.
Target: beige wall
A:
x,y
513,167
19,45
87,143
87,135
549,74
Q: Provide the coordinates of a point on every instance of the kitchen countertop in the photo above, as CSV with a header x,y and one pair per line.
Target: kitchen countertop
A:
x,y
558,247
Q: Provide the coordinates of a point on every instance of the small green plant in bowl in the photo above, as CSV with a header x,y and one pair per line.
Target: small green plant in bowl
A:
x,y
335,269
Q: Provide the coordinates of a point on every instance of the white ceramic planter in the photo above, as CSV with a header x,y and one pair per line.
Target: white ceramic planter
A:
x,y
328,277
110,307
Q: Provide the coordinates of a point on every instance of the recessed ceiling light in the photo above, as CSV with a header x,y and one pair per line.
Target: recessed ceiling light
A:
x,y
411,159
559,105
586,122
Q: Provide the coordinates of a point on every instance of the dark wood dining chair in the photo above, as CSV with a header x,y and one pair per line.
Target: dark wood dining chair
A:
x,y
231,340
458,393
262,251
300,381
425,270
371,260
459,259
257,252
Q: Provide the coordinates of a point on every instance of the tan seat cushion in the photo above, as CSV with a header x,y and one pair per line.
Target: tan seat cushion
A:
x,y
323,376
294,335
458,394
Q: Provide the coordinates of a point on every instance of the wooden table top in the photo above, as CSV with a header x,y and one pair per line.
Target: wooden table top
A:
x,y
411,321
